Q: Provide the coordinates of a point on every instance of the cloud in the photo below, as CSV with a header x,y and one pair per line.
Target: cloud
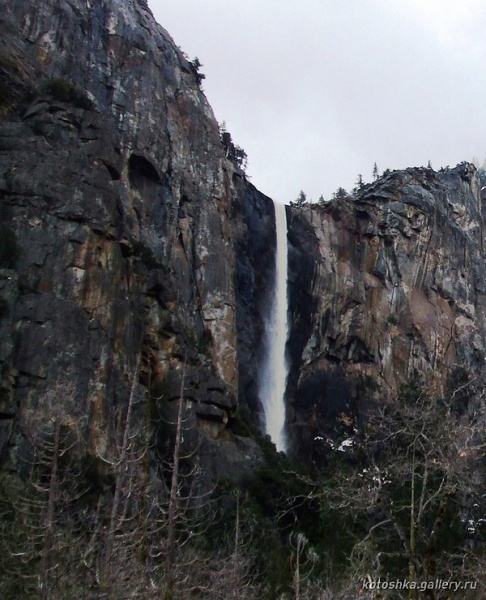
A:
x,y
319,90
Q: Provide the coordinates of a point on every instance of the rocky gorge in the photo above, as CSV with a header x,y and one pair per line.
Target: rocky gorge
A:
x,y
136,259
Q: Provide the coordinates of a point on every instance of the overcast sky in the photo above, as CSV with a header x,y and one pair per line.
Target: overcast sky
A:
x,y
316,91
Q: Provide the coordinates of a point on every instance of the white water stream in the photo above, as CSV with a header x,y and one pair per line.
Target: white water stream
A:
x,y
273,378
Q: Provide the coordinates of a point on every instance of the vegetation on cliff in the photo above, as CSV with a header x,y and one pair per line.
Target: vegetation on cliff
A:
x,y
403,502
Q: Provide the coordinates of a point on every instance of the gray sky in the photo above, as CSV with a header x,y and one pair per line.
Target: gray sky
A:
x,y
316,91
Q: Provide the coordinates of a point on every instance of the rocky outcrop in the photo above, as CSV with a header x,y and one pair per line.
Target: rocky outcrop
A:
x,y
396,284
116,203
128,230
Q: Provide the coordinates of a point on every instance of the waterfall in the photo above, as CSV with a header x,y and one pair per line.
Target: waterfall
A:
x,y
273,377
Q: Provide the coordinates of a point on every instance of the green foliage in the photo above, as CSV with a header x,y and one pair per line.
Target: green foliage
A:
x,y
65,91
340,194
234,153
406,498
242,423
241,158
278,500
460,389
95,477
350,514
300,201
279,491
9,250
46,539
196,66
414,389
200,343
269,488
160,390
370,384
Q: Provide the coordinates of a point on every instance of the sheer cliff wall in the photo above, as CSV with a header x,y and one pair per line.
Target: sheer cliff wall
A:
x,y
396,284
126,232
117,199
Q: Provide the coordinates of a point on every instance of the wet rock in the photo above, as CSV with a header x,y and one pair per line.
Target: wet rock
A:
x,y
116,187
385,293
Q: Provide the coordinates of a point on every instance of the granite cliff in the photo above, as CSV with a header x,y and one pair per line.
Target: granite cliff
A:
x,y
385,283
127,231
136,271
118,220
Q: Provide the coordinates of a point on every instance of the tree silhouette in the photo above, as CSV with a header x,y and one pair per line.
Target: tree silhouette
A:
x,y
300,201
416,484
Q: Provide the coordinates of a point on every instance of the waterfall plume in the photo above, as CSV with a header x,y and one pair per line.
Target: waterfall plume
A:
x,y
273,376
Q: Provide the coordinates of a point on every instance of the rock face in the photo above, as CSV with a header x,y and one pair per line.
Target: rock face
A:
x,y
126,231
382,284
255,280
116,203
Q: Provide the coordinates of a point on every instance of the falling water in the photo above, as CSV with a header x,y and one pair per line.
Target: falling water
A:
x,y
273,379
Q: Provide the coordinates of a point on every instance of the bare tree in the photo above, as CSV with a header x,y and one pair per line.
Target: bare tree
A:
x,y
174,492
233,571
416,473
145,536
124,526
303,560
38,529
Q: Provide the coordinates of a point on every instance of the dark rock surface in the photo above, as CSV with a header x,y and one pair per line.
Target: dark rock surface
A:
x,y
255,279
396,284
125,230
117,195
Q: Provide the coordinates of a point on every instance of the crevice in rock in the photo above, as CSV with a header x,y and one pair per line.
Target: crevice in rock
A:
x,y
114,173
140,169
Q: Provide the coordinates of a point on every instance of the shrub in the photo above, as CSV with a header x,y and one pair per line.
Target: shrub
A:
x,y
196,66
242,423
65,91
370,384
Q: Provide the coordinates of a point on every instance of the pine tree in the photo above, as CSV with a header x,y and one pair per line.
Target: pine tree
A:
x,y
340,193
375,172
300,201
196,66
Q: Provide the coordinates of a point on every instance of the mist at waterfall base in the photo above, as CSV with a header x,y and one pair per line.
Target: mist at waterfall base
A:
x,y
273,375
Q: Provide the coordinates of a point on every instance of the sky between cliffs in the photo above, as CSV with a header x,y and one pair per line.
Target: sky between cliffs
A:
x,y
316,91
